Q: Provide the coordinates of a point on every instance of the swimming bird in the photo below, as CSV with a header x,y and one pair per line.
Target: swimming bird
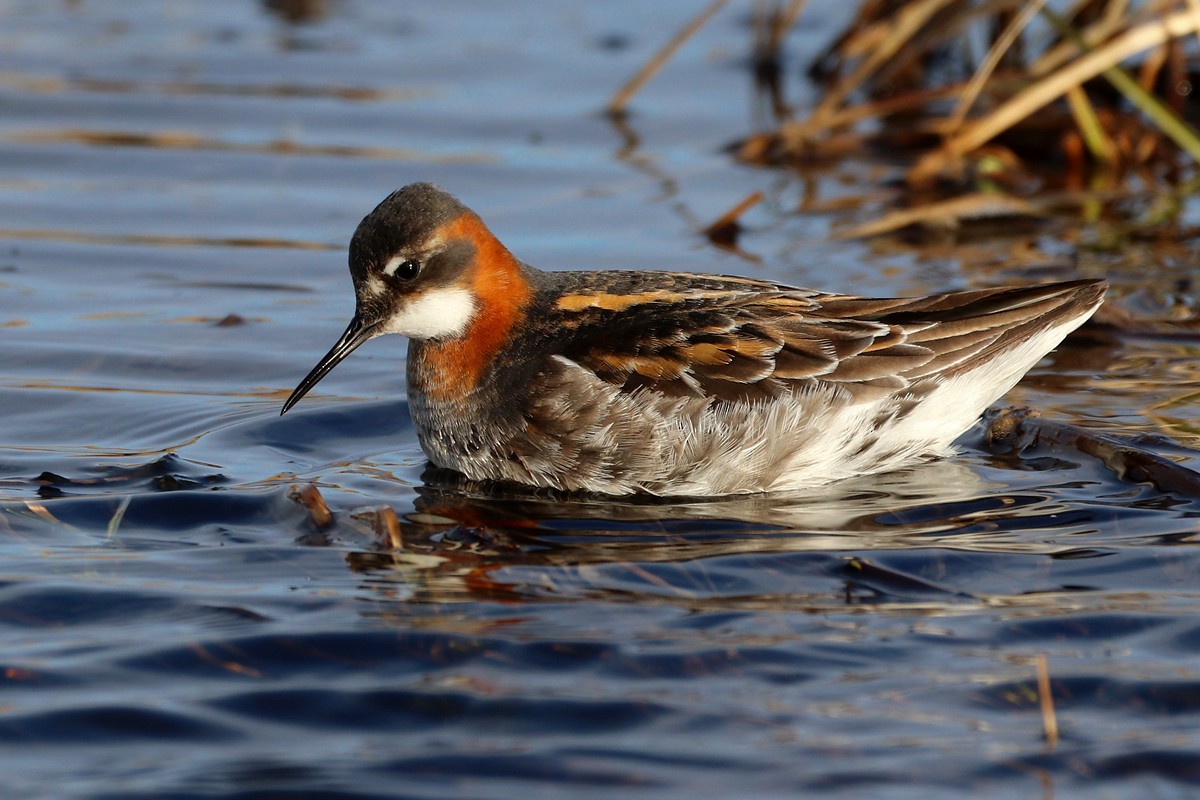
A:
x,y
673,383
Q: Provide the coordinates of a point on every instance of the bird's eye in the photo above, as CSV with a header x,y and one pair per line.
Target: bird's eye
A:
x,y
402,270
408,270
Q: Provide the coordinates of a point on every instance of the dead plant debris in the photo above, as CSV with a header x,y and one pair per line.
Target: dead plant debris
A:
x,y
310,497
991,97
1017,429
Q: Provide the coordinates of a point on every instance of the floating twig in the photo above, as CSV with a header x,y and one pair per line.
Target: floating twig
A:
x,y
724,231
1022,427
1045,697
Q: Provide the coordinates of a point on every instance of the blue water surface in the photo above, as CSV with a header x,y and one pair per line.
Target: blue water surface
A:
x,y
178,183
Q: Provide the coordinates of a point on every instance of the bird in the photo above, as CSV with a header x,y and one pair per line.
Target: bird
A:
x,y
625,382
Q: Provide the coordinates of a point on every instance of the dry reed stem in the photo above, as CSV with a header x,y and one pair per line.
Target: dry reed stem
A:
x,y
793,13
907,24
917,98
991,61
621,99
1113,20
944,214
785,20
1167,122
1152,67
1054,86
1049,719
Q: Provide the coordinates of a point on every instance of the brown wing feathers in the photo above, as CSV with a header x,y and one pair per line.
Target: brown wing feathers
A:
x,y
743,344
964,329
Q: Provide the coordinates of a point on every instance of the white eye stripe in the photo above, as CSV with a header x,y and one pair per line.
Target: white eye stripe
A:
x,y
391,266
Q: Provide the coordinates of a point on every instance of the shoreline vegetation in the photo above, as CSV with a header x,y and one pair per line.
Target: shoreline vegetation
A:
x,y
989,110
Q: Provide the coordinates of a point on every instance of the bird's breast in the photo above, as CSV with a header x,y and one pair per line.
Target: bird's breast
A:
x,y
443,372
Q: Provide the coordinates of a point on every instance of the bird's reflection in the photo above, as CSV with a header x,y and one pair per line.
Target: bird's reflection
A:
x,y
462,541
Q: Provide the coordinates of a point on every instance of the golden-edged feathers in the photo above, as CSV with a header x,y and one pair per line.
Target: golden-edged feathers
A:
x,y
736,339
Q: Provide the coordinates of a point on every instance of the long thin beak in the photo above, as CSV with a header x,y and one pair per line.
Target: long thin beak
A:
x,y
356,333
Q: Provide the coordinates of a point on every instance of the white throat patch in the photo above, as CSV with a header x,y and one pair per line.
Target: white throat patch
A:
x,y
435,314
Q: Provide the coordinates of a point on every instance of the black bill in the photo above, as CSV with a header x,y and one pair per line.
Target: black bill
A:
x,y
356,333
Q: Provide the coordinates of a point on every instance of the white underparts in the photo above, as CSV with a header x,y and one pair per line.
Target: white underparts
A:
x,y
435,314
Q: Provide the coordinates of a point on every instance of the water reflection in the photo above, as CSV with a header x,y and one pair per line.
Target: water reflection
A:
x,y
190,141
461,542
298,11
41,84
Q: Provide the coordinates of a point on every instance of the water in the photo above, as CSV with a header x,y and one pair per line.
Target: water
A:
x,y
178,181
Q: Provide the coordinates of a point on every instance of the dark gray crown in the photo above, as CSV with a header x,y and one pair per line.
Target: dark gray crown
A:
x,y
406,217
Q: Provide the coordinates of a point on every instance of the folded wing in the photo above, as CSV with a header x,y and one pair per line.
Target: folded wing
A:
x,y
751,340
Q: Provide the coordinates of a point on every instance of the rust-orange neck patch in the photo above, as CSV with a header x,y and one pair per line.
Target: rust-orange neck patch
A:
x,y
451,369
